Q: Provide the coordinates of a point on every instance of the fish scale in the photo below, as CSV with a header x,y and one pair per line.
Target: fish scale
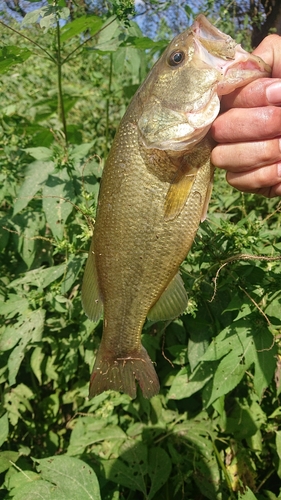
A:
x,y
154,191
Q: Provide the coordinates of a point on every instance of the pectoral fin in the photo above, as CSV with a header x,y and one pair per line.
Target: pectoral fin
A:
x,y
207,200
91,299
172,302
178,193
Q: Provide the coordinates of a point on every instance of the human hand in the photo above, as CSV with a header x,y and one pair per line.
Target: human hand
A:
x,y
248,131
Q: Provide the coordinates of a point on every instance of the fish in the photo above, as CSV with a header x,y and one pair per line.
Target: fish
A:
x,y
155,189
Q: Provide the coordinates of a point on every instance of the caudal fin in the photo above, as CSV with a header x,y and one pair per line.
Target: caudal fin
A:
x,y
121,373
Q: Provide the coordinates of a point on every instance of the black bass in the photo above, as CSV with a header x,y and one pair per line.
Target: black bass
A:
x,y
154,191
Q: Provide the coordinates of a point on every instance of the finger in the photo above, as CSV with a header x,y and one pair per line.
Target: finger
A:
x,y
252,95
242,156
269,51
253,124
263,180
255,94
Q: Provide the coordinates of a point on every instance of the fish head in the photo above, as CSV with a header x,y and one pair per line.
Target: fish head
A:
x,y
180,98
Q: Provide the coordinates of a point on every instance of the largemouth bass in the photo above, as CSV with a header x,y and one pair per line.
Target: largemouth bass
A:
x,y
154,191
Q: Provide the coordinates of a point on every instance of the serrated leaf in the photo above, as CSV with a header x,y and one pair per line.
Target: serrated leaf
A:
x,y
159,469
71,478
35,176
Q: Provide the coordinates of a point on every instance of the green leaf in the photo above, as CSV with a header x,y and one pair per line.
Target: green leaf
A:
x,y
36,490
230,339
14,305
6,459
71,478
40,153
79,25
264,357
4,428
36,361
33,16
11,55
144,43
73,268
159,469
87,432
35,176
28,330
246,495
232,368
183,386
130,469
56,193
41,278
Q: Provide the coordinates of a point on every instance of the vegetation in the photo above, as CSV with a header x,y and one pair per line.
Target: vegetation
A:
x,y
213,431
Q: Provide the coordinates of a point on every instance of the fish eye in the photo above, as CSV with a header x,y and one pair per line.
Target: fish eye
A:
x,y
176,58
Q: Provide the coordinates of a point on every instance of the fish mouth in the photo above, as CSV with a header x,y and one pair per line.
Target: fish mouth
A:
x,y
213,65
234,65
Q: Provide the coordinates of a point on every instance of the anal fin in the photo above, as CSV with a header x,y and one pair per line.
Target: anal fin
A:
x,y
172,302
91,298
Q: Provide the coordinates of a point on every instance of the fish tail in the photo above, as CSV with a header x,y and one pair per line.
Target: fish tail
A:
x,y
121,373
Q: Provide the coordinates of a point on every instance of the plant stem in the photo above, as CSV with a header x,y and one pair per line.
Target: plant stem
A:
x,y
61,110
107,105
87,40
30,40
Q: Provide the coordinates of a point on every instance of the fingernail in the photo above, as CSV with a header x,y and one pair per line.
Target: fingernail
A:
x,y
273,93
279,169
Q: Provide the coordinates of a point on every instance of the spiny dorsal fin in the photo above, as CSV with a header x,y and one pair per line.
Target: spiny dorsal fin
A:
x,y
178,193
172,302
91,299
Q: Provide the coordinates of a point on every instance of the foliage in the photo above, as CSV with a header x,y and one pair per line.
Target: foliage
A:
x,y
213,431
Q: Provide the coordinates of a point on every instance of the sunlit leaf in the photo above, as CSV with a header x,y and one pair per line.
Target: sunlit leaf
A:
x,y
11,55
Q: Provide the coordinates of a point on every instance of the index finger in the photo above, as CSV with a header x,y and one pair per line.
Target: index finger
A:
x,y
254,94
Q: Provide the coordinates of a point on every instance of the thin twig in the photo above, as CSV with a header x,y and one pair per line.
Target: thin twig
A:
x,y
240,256
30,40
86,41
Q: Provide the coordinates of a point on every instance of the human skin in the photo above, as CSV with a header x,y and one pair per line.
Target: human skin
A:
x,y
248,130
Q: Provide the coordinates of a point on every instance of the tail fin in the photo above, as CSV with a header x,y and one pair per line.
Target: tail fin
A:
x,y
120,374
